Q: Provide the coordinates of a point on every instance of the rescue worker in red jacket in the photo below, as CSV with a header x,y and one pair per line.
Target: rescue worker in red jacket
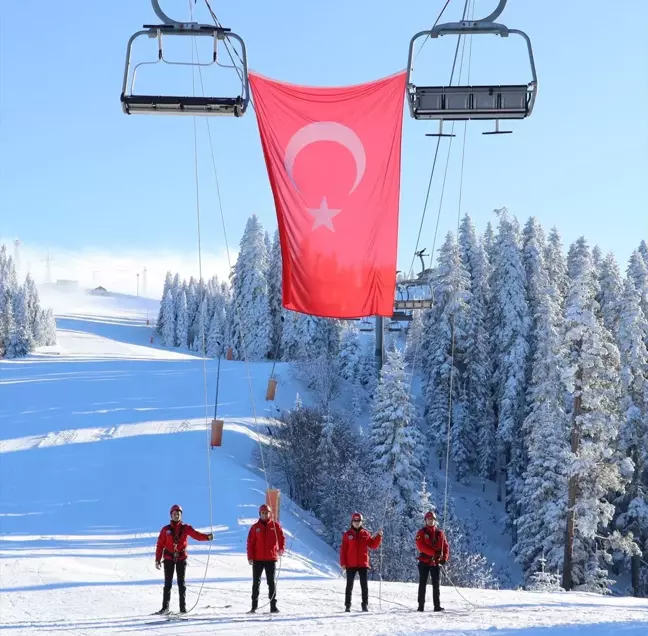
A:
x,y
172,547
434,551
354,557
265,544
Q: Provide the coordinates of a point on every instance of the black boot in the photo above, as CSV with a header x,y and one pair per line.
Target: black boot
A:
x,y
438,608
183,603
420,608
365,608
166,597
273,607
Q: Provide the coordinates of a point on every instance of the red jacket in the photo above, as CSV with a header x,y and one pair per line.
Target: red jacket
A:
x,y
265,541
176,533
354,551
432,546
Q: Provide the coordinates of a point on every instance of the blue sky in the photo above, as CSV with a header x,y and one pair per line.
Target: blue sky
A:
x,y
79,176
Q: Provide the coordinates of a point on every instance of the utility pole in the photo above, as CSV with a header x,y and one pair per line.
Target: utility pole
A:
x,y
380,345
138,283
144,283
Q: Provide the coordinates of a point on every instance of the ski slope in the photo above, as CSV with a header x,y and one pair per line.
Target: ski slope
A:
x,y
101,433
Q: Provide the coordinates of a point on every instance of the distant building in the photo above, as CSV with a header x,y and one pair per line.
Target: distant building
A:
x,y
67,284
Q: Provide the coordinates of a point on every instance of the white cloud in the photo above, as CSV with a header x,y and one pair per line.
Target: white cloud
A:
x,y
116,271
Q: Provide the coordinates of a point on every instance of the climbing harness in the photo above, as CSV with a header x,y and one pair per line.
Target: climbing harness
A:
x,y
134,103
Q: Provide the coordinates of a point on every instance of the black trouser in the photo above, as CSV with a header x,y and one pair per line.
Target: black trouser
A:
x,y
180,567
424,572
257,571
351,572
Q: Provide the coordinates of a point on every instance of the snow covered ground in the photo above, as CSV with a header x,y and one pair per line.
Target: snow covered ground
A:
x,y
101,433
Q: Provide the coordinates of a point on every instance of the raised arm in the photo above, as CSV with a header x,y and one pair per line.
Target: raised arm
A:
x,y
375,542
198,536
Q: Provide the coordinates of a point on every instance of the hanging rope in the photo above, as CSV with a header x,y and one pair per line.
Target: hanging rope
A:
x,y
204,356
454,314
436,153
419,336
236,307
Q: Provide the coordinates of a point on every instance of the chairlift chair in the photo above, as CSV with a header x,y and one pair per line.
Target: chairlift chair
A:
x,y
134,103
394,325
491,102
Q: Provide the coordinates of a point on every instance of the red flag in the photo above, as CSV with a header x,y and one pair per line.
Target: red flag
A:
x,y
333,159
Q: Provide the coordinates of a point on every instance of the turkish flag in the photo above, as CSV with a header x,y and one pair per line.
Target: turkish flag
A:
x,y
333,157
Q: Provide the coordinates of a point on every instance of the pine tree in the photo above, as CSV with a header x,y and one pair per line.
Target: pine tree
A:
x,y
24,340
511,353
290,344
413,339
182,321
543,496
609,295
33,304
168,285
168,320
350,350
643,250
12,345
638,271
201,326
395,438
398,463
593,381
251,326
217,325
632,508
24,325
446,336
274,297
479,368
557,266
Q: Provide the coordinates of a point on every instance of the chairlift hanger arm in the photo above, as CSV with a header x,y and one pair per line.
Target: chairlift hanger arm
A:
x,y
174,24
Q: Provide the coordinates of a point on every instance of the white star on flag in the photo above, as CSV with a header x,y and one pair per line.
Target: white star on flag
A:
x,y
323,215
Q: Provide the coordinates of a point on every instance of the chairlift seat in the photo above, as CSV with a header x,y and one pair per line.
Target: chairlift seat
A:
x,y
177,105
470,102
133,103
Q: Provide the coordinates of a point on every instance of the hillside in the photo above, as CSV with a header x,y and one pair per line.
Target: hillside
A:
x,y
101,433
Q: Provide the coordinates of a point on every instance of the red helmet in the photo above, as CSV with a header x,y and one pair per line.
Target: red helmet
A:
x,y
175,507
265,508
356,516
430,515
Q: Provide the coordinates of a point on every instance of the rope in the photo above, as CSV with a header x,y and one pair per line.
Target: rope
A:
x,y
436,152
204,355
454,315
436,22
419,338
237,308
